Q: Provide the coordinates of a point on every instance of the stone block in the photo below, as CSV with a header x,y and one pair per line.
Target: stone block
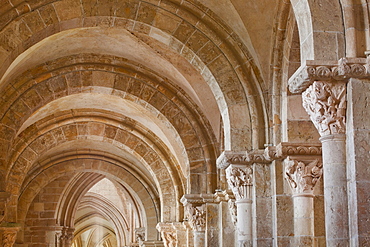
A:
x,y
146,13
70,131
49,15
302,131
166,21
196,41
284,220
263,217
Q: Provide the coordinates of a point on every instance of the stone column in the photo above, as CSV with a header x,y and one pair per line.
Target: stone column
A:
x,y
302,179
8,235
197,220
239,178
325,102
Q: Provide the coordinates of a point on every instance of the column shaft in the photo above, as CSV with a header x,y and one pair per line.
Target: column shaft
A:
x,y
303,220
335,189
199,238
244,223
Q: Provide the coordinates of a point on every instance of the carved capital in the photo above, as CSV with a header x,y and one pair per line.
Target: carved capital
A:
x,y
140,234
326,104
240,180
197,217
168,233
8,235
340,70
301,177
66,236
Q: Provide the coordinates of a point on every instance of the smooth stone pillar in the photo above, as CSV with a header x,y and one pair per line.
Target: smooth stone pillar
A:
x,y
303,219
335,189
199,238
244,223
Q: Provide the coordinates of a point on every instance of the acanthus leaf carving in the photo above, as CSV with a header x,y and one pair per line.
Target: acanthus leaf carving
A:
x,y
197,217
301,177
326,104
240,180
170,239
140,234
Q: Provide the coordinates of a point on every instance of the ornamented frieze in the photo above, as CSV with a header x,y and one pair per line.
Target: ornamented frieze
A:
x,y
270,153
301,177
326,104
285,149
341,70
242,158
240,180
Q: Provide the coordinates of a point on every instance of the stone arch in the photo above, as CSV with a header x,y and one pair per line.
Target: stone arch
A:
x,y
148,199
193,25
110,212
356,24
320,39
162,173
192,131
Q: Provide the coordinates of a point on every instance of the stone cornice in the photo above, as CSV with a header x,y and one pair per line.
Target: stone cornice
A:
x,y
197,199
340,70
242,158
269,154
285,149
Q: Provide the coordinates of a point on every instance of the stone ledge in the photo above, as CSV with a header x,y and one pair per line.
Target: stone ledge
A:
x,y
271,153
315,70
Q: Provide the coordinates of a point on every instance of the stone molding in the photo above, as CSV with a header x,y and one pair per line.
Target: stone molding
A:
x,y
340,70
325,103
285,149
269,154
240,180
302,178
244,158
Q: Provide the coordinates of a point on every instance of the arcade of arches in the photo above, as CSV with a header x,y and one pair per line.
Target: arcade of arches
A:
x,y
184,123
